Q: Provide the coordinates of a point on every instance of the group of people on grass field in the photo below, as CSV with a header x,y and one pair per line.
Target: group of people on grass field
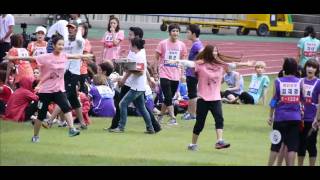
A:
x,y
61,81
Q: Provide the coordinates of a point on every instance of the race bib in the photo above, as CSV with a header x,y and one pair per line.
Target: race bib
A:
x,y
254,86
39,50
308,90
290,92
171,55
108,38
22,52
310,50
105,92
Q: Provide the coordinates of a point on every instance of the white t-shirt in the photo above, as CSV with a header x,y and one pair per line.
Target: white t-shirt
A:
x,y
74,47
138,82
5,22
148,90
131,56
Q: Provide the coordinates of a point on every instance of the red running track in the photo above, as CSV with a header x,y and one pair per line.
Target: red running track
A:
x,y
272,53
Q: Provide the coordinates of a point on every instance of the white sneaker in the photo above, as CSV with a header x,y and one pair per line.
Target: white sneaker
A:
x,y
35,139
173,122
192,147
160,119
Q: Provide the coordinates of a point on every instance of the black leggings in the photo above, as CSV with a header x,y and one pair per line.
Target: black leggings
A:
x,y
307,143
246,98
71,82
202,110
169,89
116,118
60,98
83,87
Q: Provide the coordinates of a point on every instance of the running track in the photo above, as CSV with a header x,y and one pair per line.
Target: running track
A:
x,y
272,53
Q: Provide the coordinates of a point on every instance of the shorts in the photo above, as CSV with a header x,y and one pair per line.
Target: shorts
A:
x,y
71,82
289,131
45,99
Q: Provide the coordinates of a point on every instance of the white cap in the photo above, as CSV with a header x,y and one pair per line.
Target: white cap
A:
x,y
41,28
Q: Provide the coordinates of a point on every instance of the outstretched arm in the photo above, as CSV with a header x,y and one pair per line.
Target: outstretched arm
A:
x,y
23,58
79,56
185,63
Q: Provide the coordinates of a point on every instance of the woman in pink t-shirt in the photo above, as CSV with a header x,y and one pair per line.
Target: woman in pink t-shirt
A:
x,y
22,68
170,49
209,69
52,67
111,41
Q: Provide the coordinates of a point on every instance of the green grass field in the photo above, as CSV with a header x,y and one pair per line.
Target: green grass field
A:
x,y
245,128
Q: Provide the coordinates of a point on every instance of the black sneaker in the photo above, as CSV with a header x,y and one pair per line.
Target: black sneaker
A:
x,y
150,131
116,130
222,144
83,127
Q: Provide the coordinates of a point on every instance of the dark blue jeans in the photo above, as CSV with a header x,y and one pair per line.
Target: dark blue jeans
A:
x,y
138,98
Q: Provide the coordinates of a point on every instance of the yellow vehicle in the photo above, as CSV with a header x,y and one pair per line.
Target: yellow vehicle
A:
x,y
263,24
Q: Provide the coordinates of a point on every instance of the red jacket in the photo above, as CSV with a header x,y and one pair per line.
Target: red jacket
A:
x,y
6,93
85,107
20,99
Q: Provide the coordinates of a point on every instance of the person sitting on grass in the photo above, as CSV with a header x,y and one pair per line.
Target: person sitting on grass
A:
x,y
102,96
258,86
234,80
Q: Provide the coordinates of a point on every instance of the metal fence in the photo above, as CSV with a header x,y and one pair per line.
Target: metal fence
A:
x,y
148,18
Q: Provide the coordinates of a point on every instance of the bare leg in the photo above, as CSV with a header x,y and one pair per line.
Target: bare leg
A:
x,y
194,138
312,161
37,126
55,112
171,111
163,109
79,115
300,160
192,107
272,158
219,133
69,119
231,98
281,155
291,157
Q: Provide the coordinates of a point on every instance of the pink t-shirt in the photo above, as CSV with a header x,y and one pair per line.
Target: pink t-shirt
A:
x,y
23,68
52,69
209,80
173,51
110,51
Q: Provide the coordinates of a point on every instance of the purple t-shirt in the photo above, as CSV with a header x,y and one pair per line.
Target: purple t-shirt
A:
x,y
103,104
194,51
289,95
311,93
